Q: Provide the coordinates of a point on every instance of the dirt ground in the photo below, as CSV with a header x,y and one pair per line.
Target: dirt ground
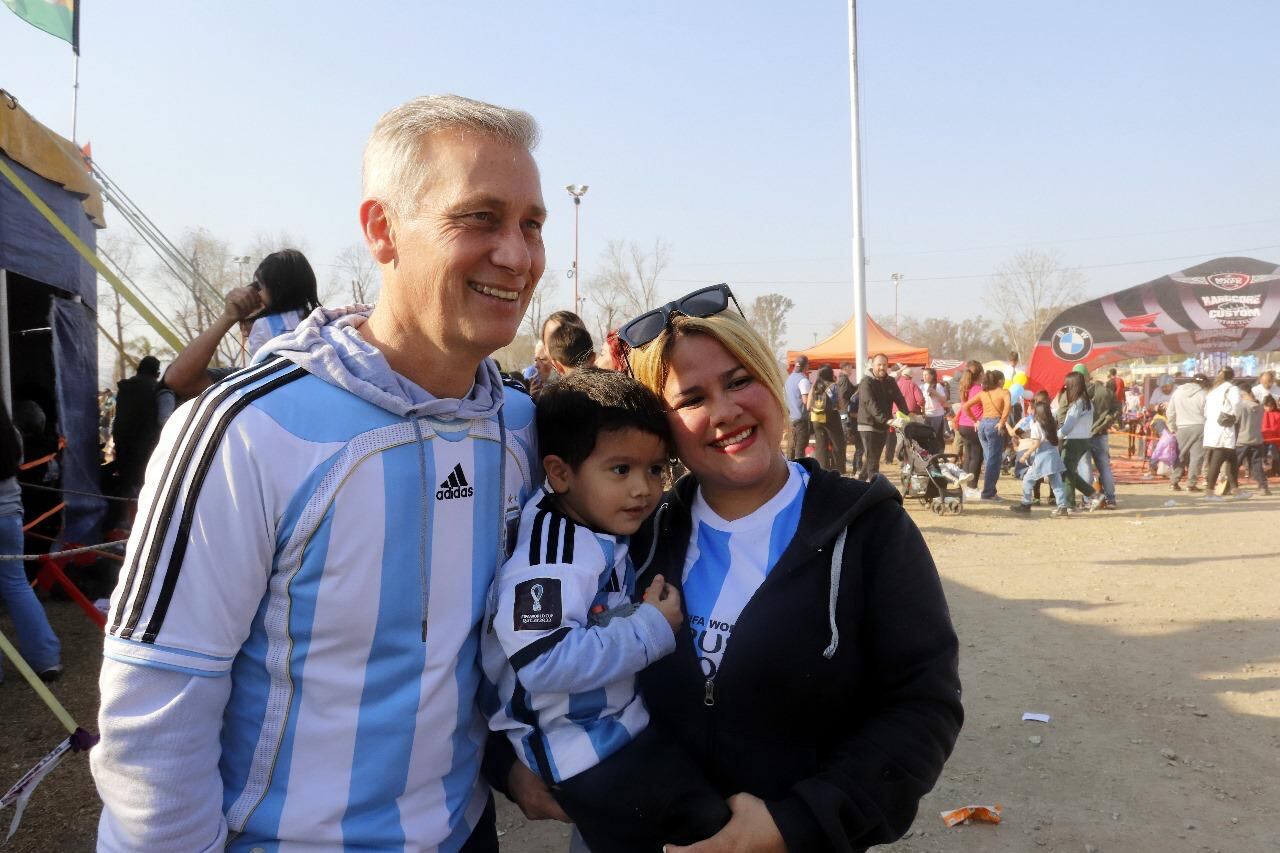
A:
x,y
1150,634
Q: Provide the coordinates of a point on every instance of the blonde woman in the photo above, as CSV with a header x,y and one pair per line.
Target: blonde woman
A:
x,y
817,682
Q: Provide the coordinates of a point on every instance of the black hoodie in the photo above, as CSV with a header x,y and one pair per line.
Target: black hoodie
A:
x,y
837,700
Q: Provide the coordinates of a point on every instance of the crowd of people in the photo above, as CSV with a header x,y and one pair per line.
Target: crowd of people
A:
x,y
1213,427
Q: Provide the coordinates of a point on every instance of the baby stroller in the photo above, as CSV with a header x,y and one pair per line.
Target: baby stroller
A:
x,y
930,475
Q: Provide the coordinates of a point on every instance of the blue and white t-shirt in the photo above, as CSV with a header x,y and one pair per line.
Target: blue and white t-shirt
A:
x,y
269,326
728,560
564,644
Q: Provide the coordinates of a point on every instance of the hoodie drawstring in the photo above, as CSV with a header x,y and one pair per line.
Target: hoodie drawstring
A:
x,y
837,566
653,546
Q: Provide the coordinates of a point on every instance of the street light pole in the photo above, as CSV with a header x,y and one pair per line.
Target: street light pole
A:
x,y
859,246
240,261
897,280
577,191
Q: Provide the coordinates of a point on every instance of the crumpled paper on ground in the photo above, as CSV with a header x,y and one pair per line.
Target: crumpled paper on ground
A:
x,y
982,814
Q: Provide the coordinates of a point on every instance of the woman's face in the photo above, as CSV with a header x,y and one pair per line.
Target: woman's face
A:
x,y
727,426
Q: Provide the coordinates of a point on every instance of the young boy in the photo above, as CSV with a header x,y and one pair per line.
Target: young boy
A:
x,y
565,640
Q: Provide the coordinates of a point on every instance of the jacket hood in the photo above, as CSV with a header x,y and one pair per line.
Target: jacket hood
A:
x,y
328,345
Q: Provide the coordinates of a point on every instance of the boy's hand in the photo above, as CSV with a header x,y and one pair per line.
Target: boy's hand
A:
x,y
666,598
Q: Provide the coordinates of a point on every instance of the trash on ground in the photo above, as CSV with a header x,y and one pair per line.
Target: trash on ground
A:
x,y
1171,502
982,814
1034,717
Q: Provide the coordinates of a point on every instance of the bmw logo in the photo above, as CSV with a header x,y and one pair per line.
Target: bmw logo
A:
x,y
1072,343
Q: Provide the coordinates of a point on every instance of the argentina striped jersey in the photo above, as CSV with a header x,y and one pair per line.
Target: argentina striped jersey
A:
x,y
728,560
334,559
565,642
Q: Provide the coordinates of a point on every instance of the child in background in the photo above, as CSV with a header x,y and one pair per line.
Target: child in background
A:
x,y
565,641
1271,433
1045,461
1164,452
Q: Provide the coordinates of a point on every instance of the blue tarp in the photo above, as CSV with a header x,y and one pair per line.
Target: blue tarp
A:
x,y
31,247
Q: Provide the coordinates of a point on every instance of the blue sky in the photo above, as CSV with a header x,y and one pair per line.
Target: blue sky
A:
x,y
1136,138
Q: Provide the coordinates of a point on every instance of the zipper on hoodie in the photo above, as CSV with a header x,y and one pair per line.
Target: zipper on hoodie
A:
x,y
424,527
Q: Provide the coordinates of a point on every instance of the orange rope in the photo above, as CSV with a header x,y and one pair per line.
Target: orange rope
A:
x,y
27,466
57,509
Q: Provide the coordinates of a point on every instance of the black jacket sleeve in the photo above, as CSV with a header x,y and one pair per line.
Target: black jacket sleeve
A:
x,y
869,408
875,772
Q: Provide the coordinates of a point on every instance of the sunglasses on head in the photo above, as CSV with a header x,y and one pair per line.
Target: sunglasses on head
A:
x,y
701,303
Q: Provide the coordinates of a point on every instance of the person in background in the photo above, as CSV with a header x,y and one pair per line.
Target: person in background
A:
x,y
847,393
1075,414
877,397
1043,460
1221,418
136,427
990,408
1106,408
286,287
570,348
537,374
796,391
1267,387
1015,364
824,414
966,426
1115,384
914,398
36,641
936,397
1185,413
1249,444
613,355
553,322
1271,433
1162,394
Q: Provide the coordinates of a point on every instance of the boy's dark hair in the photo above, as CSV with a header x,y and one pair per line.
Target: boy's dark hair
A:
x,y
570,345
573,411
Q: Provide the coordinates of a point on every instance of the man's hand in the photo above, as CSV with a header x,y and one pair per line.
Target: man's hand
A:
x,y
750,830
533,796
666,598
241,304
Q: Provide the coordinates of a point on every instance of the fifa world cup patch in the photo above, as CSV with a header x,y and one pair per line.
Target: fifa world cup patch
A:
x,y
538,605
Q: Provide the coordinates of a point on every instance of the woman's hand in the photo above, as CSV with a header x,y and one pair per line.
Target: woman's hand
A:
x,y
533,796
750,830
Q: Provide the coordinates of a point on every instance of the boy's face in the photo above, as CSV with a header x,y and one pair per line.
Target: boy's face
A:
x,y
615,488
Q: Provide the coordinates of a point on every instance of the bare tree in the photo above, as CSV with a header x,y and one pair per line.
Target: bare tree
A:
x,y
768,313
1027,291
355,276
945,338
123,252
628,281
543,297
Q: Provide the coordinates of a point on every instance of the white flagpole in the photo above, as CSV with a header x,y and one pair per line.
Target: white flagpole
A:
x,y
75,95
859,246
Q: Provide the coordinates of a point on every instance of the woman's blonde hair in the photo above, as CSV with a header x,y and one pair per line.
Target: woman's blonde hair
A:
x,y
651,363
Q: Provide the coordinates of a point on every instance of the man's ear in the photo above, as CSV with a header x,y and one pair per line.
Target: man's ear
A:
x,y
558,367
378,230
558,473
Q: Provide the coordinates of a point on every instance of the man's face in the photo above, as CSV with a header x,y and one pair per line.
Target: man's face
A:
x,y
1268,379
880,367
543,362
470,254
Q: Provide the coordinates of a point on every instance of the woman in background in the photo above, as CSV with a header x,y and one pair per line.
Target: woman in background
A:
x,y
35,639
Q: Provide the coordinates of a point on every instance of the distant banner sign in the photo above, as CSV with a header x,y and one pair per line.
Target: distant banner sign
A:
x,y
1225,304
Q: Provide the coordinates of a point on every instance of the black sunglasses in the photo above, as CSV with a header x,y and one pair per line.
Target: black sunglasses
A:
x,y
701,303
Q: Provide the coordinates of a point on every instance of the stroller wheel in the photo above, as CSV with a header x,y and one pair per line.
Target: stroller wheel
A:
x,y
937,506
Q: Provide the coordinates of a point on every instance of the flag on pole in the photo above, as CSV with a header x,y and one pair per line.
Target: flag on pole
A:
x,y
60,18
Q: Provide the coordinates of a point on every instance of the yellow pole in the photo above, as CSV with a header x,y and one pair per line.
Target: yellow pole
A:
x,y
85,252
37,685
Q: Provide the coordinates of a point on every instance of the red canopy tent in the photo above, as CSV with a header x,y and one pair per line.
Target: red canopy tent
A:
x,y
842,346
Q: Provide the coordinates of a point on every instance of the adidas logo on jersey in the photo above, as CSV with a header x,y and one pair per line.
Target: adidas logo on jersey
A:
x,y
455,486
